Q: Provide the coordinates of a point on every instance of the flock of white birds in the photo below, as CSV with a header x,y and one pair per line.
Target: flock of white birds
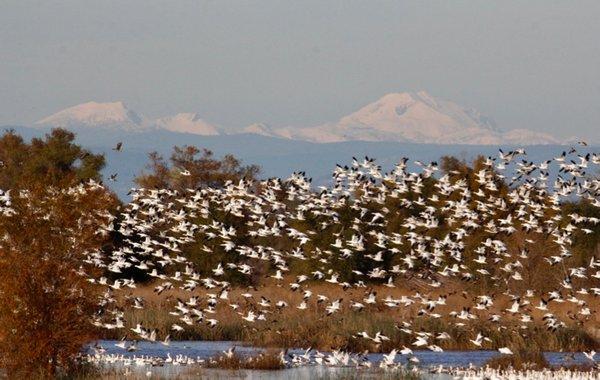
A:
x,y
266,227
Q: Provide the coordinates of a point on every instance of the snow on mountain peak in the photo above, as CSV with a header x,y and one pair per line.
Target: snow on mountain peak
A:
x,y
187,123
412,117
94,114
403,117
116,115
260,129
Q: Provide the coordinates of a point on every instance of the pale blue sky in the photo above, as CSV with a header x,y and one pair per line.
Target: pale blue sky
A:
x,y
528,64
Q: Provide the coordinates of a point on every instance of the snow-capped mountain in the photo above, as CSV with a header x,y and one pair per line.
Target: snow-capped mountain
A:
x,y
411,117
399,117
94,114
187,123
260,129
117,116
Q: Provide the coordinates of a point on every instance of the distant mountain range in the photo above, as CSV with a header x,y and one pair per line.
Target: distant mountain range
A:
x,y
411,118
400,117
397,125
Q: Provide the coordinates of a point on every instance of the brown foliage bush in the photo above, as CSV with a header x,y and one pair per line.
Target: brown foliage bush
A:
x,y
46,300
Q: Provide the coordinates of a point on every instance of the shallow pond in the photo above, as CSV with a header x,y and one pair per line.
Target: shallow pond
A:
x,y
206,349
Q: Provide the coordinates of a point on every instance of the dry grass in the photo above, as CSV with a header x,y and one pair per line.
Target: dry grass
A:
x,y
520,360
336,332
292,328
270,360
397,374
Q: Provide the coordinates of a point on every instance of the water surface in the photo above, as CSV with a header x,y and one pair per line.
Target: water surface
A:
x,y
207,349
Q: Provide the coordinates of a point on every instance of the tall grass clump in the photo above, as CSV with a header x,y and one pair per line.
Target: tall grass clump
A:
x,y
525,359
269,360
353,374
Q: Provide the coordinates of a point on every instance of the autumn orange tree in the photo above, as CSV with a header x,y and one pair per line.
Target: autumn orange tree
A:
x,y
46,300
52,213
191,168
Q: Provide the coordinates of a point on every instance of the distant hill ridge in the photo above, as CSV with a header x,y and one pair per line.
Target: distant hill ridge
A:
x,y
400,117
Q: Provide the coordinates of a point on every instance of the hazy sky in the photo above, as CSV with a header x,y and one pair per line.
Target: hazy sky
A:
x,y
528,64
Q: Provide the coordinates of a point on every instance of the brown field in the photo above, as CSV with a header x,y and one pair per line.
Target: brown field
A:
x,y
290,327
